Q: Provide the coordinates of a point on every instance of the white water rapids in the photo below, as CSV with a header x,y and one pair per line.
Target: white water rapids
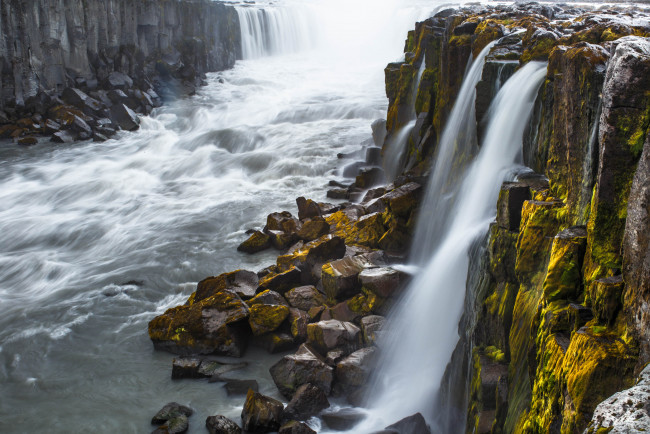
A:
x,y
98,238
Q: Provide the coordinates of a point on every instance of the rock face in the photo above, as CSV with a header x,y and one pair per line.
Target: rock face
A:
x,y
84,48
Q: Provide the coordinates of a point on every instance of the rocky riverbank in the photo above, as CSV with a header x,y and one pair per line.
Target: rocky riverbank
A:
x,y
75,70
562,322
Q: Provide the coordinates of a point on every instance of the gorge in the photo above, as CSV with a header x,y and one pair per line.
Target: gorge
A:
x,y
395,294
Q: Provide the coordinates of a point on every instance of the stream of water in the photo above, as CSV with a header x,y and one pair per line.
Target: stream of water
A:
x,y
98,238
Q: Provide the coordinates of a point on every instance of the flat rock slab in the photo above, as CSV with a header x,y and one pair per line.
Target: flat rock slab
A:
x,y
342,420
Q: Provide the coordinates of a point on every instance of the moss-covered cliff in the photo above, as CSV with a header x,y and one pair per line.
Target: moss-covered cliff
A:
x,y
563,324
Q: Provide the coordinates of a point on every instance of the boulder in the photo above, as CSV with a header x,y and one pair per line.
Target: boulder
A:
x,y
77,98
117,96
307,401
371,327
242,282
414,424
330,334
265,318
313,228
311,257
370,177
295,427
352,372
282,281
344,419
511,200
268,297
341,277
119,80
63,137
210,326
221,425
27,141
307,208
281,240
384,281
124,117
282,221
240,387
305,366
257,242
174,417
298,320
261,413
404,199
305,297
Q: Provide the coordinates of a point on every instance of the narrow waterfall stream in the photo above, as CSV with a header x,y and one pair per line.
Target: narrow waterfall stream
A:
x,y
98,238
423,330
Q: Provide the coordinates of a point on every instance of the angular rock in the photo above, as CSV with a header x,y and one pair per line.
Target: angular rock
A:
x,y
282,281
370,177
62,137
117,96
511,200
311,257
298,320
343,419
221,425
313,228
265,318
384,282
307,208
240,387
268,297
124,117
281,240
305,297
261,413
606,297
186,367
404,199
170,411
307,401
281,221
330,334
79,99
564,276
27,141
210,326
341,277
352,372
371,328
119,80
241,282
295,427
305,366
414,424
257,242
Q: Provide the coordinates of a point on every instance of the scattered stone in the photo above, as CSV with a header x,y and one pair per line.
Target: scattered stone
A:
x,y
414,424
328,335
295,427
171,411
27,141
305,366
240,387
62,137
257,242
261,413
383,282
307,401
124,117
221,425
352,372
305,297
371,327
343,419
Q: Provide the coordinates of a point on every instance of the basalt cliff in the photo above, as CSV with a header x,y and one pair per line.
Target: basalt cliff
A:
x,y
73,69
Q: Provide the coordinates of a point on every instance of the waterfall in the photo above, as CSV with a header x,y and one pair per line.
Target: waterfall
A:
x,y
395,146
273,31
423,329
456,147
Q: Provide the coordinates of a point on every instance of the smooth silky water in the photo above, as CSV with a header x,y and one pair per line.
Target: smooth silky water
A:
x,y
98,238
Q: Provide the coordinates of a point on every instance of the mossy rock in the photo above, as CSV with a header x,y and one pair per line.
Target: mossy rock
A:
x,y
265,318
564,276
242,282
606,298
257,242
210,326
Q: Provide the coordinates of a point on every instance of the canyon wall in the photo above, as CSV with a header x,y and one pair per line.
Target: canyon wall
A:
x,y
563,323
48,46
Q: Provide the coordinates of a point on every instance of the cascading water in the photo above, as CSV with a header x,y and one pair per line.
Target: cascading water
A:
x,y
423,330
272,30
456,148
395,146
